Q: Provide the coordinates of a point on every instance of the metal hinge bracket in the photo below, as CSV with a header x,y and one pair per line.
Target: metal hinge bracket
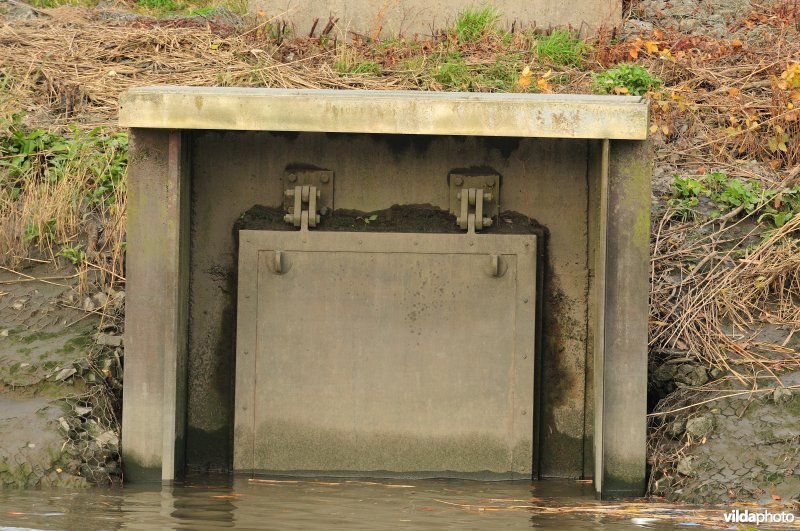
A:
x,y
308,194
474,200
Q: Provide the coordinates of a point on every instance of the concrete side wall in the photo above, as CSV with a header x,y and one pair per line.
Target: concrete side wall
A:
x,y
624,358
545,179
155,331
409,17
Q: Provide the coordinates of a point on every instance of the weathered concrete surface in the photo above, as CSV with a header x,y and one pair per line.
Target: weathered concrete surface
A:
x,y
624,289
544,179
155,334
409,17
387,112
417,359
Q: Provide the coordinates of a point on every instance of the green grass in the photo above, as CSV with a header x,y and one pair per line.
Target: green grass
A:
x,y
561,48
452,72
475,24
190,8
357,67
47,4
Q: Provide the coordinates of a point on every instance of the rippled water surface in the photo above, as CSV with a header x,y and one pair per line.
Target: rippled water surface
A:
x,y
343,504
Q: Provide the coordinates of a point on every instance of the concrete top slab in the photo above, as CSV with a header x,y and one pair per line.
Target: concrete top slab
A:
x,y
386,112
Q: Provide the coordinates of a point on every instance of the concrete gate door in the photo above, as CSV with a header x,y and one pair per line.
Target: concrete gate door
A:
x,y
381,354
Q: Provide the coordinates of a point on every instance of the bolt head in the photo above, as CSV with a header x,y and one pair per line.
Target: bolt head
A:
x,y
459,181
487,222
490,181
288,218
325,179
292,178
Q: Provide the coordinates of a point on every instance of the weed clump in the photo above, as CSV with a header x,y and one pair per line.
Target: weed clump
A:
x,y
626,78
51,184
731,197
473,25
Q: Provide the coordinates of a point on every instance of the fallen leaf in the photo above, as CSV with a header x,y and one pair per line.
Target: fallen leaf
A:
x,y
733,92
524,80
776,497
543,85
736,43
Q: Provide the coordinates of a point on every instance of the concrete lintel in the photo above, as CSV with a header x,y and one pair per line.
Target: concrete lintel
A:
x,y
386,112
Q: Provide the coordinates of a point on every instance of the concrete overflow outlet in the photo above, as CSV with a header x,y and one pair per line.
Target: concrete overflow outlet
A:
x,y
451,285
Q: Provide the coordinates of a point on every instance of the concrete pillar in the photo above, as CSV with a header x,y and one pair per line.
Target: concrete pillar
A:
x,y
154,400
622,268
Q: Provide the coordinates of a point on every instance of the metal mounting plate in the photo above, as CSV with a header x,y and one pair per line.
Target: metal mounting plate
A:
x,y
322,179
385,354
490,182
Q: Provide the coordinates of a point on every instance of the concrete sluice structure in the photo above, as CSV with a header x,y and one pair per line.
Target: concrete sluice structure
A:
x,y
479,346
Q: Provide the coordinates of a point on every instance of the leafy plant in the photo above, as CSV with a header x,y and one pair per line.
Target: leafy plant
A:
x,y
73,253
774,206
779,140
688,187
368,219
740,194
474,24
42,233
626,78
39,155
561,48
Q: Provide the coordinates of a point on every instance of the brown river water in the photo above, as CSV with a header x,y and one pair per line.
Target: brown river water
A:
x,y
344,504
352,505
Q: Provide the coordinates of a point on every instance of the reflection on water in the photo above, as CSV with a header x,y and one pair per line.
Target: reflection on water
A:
x,y
346,504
